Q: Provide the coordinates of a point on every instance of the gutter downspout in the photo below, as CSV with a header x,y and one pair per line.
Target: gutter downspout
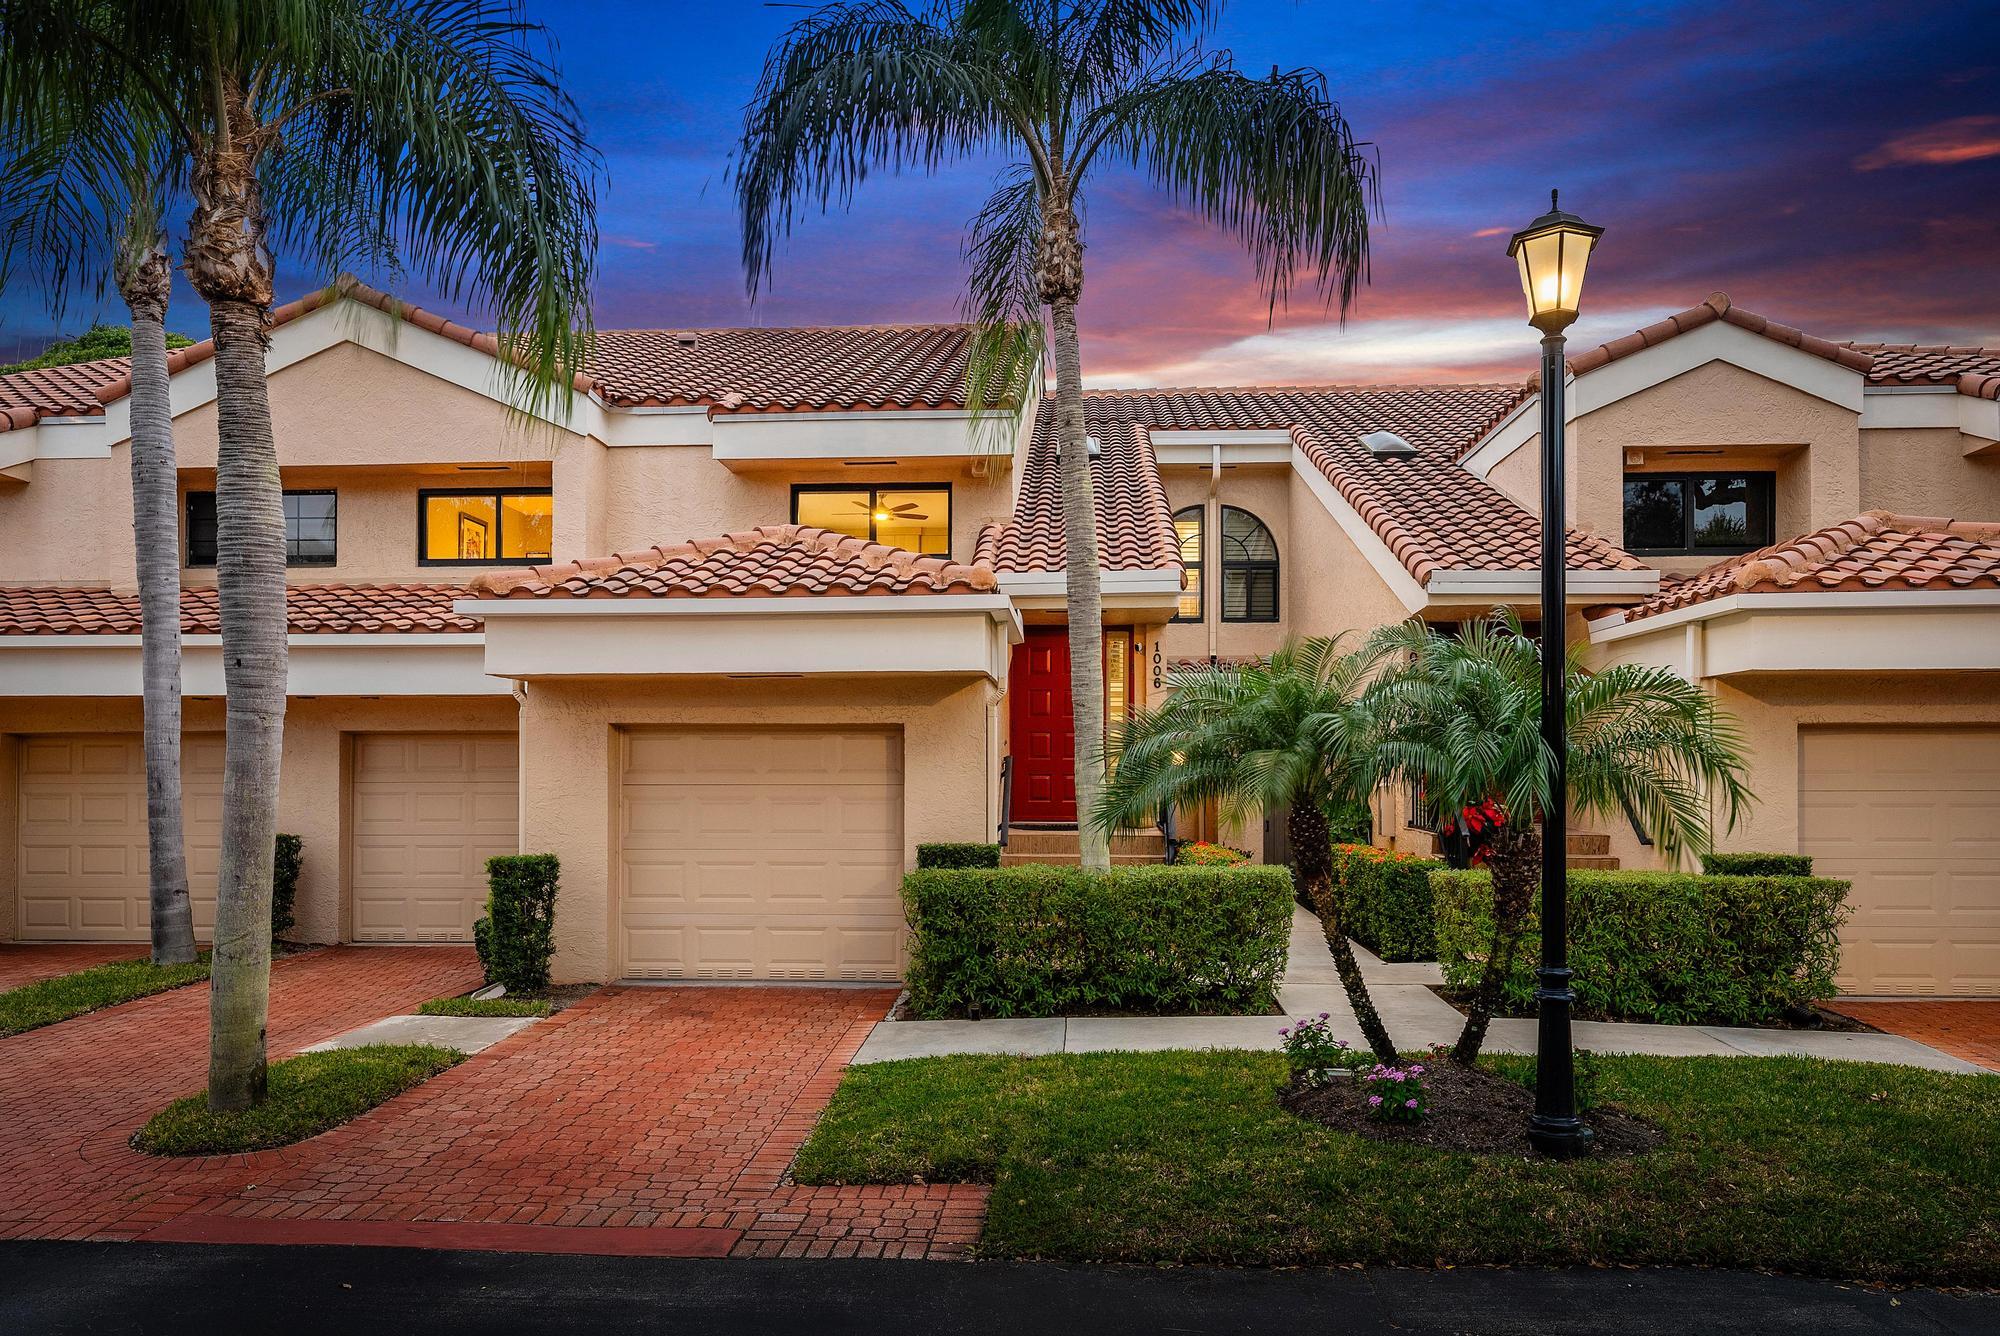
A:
x,y
1211,554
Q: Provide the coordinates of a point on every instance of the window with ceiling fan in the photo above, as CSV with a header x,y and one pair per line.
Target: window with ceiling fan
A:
x,y
916,516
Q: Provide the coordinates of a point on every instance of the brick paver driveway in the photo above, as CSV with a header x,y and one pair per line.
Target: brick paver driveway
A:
x,y
1969,1030
28,962
640,1120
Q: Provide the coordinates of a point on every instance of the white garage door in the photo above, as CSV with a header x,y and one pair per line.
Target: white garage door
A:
x,y
428,810
1912,816
761,854
82,845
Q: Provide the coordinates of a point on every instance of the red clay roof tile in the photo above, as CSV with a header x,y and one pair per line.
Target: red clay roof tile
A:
x,y
309,610
1873,551
778,370
776,561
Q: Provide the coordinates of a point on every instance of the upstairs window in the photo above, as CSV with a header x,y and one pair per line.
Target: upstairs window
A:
x,y
1187,529
1699,514
484,528
311,526
917,518
1249,568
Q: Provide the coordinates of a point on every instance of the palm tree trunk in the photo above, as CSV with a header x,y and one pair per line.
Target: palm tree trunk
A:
x,y
145,281
1514,856
230,267
1312,854
1059,282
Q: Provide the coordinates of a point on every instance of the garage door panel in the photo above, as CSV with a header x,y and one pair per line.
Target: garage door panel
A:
x,y
1912,817
748,853
81,838
427,811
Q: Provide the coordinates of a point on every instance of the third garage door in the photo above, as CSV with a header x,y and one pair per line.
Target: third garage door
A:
x,y
428,810
1912,816
761,853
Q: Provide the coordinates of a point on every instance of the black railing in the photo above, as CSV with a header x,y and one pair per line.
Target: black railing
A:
x,y
1173,843
1645,840
1006,798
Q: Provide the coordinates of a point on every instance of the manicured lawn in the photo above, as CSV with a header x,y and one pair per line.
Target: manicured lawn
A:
x,y
47,1001
1795,1164
309,1094
491,1006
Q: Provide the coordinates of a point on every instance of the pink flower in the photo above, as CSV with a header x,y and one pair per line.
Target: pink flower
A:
x,y
1410,1103
1375,1101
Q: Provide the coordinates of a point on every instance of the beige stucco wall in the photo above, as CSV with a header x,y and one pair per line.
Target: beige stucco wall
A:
x,y
569,776
1925,471
312,788
72,525
1265,490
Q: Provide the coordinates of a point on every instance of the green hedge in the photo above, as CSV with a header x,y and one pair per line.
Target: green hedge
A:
x,y
1384,898
958,855
1045,941
516,938
1669,947
285,865
1757,865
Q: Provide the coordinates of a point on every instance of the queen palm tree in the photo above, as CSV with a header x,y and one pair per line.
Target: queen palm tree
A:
x,y
1461,717
1293,734
432,133
1057,88
65,232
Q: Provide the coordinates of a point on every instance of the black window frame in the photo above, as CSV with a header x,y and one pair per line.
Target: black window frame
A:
x,y
424,495
874,490
1198,565
1763,500
1245,564
190,562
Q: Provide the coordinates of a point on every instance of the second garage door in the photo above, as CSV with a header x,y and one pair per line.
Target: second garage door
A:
x,y
428,810
761,853
1912,816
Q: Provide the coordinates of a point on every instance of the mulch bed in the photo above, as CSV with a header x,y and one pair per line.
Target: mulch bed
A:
x,y
1470,1111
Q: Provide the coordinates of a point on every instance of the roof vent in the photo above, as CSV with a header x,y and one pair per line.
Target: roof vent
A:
x,y
686,338
1387,443
1092,446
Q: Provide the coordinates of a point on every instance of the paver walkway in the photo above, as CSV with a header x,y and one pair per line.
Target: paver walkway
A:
x,y
1416,1018
656,1121
28,962
1965,1029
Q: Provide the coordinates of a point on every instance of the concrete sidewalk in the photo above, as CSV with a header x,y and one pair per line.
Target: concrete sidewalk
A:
x,y
1416,1017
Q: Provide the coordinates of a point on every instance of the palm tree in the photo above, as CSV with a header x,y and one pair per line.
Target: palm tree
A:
x,y
65,231
428,132
1292,734
1461,717
1058,87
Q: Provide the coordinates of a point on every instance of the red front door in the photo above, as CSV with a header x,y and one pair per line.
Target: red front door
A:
x,y
1043,732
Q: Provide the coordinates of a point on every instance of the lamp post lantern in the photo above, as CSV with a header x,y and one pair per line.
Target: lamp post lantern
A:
x,y
1552,252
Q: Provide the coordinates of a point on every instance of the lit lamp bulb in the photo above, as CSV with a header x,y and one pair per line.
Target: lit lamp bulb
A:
x,y
1552,252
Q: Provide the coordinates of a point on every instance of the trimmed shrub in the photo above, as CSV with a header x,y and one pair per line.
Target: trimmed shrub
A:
x,y
1757,865
958,855
520,920
1384,898
1200,853
1669,947
286,863
1045,941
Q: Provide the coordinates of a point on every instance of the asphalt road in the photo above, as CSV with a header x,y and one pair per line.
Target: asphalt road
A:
x,y
172,1288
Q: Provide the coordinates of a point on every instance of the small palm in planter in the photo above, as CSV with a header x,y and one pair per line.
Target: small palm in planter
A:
x,y
1461,716
1291,733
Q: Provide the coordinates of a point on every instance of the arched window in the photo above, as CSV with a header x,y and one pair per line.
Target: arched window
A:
x,y
1249,568
1187,528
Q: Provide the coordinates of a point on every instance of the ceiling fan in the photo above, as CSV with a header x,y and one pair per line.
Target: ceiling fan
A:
x,y
902,510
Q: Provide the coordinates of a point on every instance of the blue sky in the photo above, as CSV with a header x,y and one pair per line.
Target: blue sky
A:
x,y
1836,167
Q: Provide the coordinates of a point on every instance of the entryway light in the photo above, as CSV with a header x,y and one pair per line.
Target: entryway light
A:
x,y
1552,252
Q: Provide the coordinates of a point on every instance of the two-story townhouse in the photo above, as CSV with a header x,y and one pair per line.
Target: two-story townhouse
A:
x,y
836,626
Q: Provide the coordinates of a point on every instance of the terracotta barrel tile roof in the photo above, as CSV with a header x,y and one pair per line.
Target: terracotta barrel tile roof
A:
x,y
1717,307
1973,371
1873,551
767,370
309,610
1429,511
776,561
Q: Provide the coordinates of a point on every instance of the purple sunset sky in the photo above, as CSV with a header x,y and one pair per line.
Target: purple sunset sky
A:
x,y
1835,167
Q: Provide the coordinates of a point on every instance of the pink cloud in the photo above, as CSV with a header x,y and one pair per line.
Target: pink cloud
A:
x,y
1961,139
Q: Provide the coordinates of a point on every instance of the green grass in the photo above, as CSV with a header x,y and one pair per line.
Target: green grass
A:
x,y
491,1006
1842,1169
47,1001
308,1094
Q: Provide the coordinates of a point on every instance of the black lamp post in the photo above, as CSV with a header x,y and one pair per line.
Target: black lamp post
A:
x,y
1552,252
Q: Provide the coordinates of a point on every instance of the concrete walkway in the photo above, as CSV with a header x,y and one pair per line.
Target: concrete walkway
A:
x,y
467,1034
1416,1017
